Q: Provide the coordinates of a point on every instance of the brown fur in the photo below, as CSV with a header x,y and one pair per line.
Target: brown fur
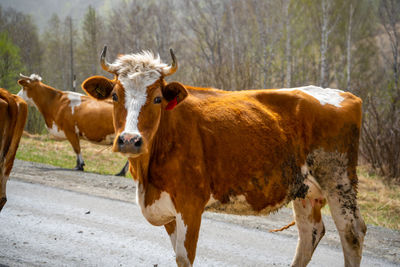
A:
x,y
229,144
13,112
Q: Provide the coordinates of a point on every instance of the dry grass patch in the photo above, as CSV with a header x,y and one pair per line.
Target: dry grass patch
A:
x,y
379,200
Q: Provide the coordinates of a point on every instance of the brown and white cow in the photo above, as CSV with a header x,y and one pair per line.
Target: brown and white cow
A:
x,y
190,146
13,112
70,115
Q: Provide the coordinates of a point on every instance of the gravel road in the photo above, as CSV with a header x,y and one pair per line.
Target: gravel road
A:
x,y
58,217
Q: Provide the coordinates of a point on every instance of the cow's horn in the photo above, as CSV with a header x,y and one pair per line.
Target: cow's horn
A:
x,y
174,66
104,64
24,77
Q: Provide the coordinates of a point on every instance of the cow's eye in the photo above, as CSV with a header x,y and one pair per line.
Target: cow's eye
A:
x,y
157,100
114,97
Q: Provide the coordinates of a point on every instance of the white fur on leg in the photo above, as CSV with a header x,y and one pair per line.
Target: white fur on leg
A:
x,y
180,250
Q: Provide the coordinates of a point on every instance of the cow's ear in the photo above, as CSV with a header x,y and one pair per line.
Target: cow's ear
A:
x,y
23,82
98,87
174,93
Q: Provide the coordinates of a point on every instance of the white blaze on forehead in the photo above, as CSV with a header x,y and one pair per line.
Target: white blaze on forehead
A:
x,y
323,95
135,98
136,72
74,100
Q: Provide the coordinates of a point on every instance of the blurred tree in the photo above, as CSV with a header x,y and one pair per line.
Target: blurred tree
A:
x,y
24,34
10,64
381,136
56,57
90,45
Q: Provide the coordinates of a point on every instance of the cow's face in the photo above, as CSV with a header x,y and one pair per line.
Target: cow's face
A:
x,y
140,97
29,86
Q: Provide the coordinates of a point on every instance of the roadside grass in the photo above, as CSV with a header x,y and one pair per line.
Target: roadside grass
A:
x,y
42,149
379,201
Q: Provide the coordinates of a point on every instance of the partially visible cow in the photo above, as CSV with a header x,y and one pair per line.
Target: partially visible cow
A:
x,y
70,115
190,146
13,112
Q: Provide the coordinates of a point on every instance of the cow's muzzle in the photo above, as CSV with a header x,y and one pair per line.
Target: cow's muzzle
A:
x,y
130,143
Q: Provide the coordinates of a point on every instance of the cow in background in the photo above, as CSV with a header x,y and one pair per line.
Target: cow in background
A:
x,y
70,115
189,147
13,112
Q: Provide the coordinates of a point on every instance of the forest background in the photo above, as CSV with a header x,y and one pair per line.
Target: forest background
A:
x,y
352,45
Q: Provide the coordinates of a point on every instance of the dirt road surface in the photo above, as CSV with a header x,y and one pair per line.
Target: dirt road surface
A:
x,y
57,217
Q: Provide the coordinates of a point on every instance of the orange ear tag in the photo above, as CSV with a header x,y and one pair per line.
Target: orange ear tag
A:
x,y
172,104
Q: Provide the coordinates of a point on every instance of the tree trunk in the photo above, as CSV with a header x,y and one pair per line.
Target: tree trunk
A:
x,y
348,42
288,46
324,44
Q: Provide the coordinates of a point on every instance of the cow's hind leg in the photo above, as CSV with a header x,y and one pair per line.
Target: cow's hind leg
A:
x,y
349,223
307,213
74,140
332,172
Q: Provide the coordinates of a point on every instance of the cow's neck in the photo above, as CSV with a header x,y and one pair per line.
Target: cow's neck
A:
x,y
46,99
140,166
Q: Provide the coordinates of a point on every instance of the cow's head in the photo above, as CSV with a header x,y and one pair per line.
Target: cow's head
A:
x,y
140,97
30,86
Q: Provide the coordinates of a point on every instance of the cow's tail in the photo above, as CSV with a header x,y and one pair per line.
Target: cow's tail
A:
x,y
283,228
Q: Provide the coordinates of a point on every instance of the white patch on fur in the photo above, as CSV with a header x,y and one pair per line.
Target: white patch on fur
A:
x,y
211,201
180,250
57,133
304,169
22,93
162,211
76,129
35,77
323,95
74,100
138,63
314,190
135,98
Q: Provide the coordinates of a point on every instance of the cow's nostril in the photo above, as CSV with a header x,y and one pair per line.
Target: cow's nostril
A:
x,y
120,140
138,141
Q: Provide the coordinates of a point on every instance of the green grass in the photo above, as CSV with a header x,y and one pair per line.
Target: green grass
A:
x,y
98,159
379,201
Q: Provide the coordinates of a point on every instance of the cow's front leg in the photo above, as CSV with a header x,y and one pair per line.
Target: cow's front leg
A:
x,y
171,230
184,233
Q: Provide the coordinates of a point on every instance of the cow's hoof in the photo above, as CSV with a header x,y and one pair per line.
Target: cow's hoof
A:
x,y
78,168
